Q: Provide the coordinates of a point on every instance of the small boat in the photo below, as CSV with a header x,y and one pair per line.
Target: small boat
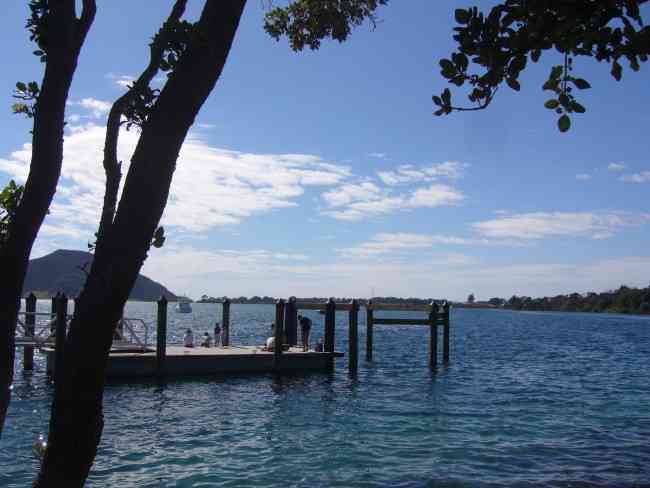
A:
x,y
183,306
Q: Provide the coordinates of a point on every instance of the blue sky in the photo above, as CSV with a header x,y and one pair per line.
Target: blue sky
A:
x,y
325,173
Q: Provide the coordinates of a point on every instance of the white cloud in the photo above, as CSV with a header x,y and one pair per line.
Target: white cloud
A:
x,y
123,81
205,126
378,155
386,243
98,108
616,167
409,174
540,225
354,202
642,177
583,177
211,187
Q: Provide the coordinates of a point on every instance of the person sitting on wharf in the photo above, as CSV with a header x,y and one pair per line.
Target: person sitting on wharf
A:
x,y
207,340
270,344
217,334
188,338
305,327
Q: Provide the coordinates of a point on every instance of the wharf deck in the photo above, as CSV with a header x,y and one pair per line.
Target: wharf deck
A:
x,y
182,361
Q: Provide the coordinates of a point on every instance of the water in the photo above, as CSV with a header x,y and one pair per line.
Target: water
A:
x,y
529,400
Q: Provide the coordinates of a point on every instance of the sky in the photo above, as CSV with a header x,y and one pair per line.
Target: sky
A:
x,y
325,173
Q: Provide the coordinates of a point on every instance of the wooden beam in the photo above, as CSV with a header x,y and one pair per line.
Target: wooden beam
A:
x,y
353,338
433,338
369,325
161,336
225,323
279,335
321,306
291,321
402,321
445,334
330,326
30,325
423,307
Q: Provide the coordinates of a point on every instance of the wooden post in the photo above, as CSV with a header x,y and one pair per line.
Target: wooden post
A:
x,y
225,323
353,338
161,339
30,326
53,312
279,334
433,339
291,321
330,326
369,319
61,331
445,337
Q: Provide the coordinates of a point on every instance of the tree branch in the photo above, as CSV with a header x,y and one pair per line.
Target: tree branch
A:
x,y
88,11
112,167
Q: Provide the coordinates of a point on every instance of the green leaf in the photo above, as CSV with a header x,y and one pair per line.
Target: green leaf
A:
x,y
437,100
617,70
581,84
552,104
556,72
564,123
462,16
20,86
577,108
535,55
514,84
446,96
447,66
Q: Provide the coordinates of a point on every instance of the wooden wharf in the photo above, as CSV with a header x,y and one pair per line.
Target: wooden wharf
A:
x,y
132,356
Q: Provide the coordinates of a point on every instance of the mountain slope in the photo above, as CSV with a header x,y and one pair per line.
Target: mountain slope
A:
x,y
60,271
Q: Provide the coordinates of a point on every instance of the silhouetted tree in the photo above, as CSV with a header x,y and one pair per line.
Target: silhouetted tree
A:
x,y
59,35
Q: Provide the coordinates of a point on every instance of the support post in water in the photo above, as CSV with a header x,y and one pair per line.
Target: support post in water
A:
x,y
369,325
330,324
225,322
445,332
433,339
53,312
161,339
353,338
278,334
30,326
291,321
61,331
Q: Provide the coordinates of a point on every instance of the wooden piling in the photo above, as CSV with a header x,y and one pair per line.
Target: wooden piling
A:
x,y
225,323
433,339
353,338
161,339
53,302
369,327
61,332
291,321
278,334
330,326
445,336
30,329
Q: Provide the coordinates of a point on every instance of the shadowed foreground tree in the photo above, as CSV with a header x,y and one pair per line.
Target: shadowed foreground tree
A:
x,y
501,43
59,35
76,421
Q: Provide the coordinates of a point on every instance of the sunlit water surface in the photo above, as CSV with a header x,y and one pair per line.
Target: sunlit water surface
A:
x,y
529,400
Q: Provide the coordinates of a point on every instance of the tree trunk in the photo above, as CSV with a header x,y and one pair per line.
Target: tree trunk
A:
x,y
77,420
66,35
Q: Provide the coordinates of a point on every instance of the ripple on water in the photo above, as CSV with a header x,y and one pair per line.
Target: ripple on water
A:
x,y
530,400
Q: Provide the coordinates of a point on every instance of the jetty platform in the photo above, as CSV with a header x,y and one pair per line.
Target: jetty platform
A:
x,y
187,361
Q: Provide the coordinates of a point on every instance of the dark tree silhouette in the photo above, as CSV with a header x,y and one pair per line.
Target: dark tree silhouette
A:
x,y
59,34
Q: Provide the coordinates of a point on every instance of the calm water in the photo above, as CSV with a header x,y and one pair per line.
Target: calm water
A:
x,y
530,400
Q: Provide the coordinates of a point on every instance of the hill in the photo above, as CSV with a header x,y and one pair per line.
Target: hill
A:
x,y
60,271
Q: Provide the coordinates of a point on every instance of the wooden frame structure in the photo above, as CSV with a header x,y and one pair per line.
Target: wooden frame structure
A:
x,y
437,316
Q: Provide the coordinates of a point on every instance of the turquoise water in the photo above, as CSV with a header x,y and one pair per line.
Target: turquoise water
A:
x,y
529,400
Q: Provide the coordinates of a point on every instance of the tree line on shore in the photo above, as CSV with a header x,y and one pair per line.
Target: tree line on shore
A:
x,y
623,300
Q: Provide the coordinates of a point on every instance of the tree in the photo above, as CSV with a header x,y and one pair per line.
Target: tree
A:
x,y
501,42
59,35
76,421
470,298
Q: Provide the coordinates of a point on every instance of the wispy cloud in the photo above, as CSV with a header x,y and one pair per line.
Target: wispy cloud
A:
x,y
616,167
97,108
212,186
583,177
641,177
540,225
407,173
378,155
123,81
